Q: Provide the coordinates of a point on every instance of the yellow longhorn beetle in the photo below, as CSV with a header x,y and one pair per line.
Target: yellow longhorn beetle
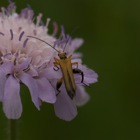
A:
x,y
65,65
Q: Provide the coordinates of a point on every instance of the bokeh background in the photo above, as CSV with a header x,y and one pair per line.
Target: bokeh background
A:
x,y
111,30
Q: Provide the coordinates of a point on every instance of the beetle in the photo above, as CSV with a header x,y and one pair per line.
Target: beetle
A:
x,y
65,64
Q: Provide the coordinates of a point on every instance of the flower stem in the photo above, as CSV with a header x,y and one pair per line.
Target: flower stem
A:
x,y
12,130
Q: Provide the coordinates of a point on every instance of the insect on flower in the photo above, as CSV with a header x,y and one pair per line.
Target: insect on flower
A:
x,y
31,63
65,64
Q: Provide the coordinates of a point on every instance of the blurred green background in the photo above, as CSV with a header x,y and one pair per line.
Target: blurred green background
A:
x,y
111,30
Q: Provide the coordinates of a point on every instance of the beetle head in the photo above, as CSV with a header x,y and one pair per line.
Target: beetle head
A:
x,y
62,55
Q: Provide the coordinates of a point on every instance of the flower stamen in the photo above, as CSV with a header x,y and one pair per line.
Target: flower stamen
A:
x,y
47,22
38,19
55,25
5,11
6,54
11,32
11,8
1,33
19,29
21,35
25,42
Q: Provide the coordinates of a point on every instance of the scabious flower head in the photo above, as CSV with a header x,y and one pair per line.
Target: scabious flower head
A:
x,y
28,61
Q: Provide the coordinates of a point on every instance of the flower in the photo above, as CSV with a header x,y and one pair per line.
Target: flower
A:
x,y
28,61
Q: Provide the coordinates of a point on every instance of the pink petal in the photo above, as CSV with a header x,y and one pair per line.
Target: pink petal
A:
x,y
24,64
2,84
33,72
5,69
64,107
77,55
46,91
50,73
11,102
76,43
90,76
32,85
81,97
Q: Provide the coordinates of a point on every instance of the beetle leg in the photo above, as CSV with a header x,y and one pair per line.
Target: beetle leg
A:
x,y
78,71
75,63
56,68
58,85
82,74
56,59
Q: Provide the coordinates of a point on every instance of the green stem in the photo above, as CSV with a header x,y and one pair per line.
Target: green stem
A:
x,y
12,130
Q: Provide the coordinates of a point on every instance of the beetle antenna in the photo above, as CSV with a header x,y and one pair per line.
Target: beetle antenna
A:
x,y
43,41
69,38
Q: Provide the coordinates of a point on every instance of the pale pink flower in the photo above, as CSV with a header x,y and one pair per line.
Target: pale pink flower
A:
x,y
28,61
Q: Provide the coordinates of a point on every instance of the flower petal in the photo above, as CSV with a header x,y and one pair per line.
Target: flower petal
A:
x,y
90,76
64,107
81,97
32,85
2,84
11,102
33,72
5,69
24,64
77,55
46,91
50,73
76,43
